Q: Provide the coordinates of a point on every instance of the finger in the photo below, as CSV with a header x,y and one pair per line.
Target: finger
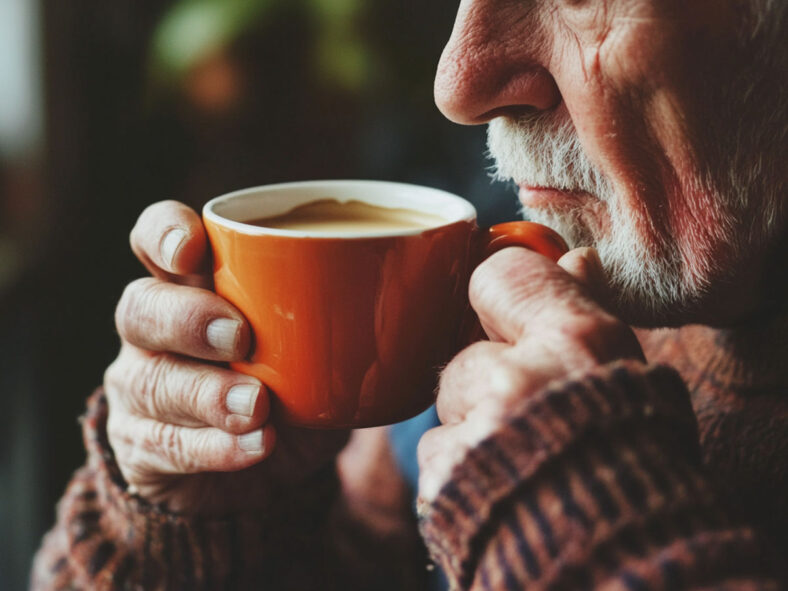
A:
x,y
516,290
489,376
169,239
159,316
146,447
443,448
584,265
437,454
491,334
175,390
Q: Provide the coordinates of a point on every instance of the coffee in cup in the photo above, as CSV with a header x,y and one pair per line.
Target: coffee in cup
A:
x,y
350,322
331,215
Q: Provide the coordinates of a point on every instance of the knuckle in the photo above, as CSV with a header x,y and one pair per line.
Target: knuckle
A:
x,y
112,376
513,260
224,451
452,374
483,370
486,274
123,309
168,441
598,337
590,329
508,279
426,447
149,384
468,354
455,367
213,449
133,316
481,282
580,328
125,445
119,377
203,391
475,357
115,431
195,318
504,380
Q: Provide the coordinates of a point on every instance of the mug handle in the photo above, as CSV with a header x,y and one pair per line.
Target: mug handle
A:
x,y
530,235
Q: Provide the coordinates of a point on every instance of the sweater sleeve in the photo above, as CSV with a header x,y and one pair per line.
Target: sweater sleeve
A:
x,y
594,483
107,538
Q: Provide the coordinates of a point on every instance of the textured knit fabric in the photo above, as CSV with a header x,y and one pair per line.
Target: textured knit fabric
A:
x,y
107,538
598,482
594,483
739,388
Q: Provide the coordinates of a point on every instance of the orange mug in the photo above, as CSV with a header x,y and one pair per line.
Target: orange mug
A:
x,y
350,330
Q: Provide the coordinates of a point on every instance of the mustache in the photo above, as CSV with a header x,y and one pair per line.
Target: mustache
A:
x,y
542,150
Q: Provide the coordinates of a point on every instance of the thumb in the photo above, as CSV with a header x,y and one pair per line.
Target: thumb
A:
x,y
585,266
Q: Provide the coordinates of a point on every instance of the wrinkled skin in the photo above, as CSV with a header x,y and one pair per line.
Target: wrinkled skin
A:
x,y
175,439
544,325
630,76
636,79
639,80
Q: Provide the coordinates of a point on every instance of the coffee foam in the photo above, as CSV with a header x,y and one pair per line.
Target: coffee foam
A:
x,y
354,216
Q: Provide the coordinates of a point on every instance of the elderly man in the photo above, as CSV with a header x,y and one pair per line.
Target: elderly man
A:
x,y
571,455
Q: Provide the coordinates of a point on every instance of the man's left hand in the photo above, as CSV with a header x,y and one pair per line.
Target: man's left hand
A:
x,y
545,323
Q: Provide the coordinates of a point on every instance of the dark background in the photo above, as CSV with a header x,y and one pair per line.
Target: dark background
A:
x,y
134,110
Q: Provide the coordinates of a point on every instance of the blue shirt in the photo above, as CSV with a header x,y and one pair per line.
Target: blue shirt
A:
x,y
404,438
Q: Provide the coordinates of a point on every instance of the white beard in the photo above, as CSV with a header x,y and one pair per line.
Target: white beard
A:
x,y
647,280
740,133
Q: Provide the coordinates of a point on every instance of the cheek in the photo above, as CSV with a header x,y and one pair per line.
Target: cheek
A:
x,y
630,93
643,150
629,124
612,130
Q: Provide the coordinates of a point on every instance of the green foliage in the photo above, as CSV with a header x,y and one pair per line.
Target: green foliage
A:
x,y
195,29
341,54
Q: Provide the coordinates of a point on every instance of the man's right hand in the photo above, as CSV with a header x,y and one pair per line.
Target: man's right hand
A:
x,y
177,415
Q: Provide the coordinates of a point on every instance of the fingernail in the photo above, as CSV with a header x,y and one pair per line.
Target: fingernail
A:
x,y
241,399
170,244
251,442
222,334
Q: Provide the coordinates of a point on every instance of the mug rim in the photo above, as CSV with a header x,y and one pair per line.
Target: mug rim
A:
x,y
465,211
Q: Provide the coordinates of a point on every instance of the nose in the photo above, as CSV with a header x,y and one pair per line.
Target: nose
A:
x,y
492,67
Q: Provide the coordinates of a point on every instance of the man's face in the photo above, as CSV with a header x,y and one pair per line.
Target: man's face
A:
x,y
635,126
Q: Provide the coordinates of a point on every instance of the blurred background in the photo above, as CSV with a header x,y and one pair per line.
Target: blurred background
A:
x,y
107,106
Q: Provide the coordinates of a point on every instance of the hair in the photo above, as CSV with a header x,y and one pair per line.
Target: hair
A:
x,y
544,150
754,108
766,18
741,137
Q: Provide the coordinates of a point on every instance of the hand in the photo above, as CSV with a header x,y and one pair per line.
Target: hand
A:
x,y
186,430
544,323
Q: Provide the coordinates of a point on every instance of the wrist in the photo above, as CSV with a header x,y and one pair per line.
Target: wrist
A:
x,y
625,407
109,532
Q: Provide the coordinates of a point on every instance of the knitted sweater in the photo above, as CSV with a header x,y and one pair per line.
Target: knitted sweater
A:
x,y
596,482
